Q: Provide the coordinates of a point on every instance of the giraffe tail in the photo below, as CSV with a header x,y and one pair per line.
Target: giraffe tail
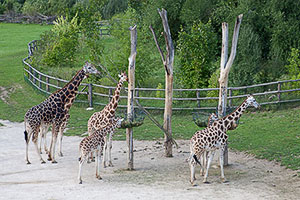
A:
x,y
196,159
26,136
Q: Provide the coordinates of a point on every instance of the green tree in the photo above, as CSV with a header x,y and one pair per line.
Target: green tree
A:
x,y
197,51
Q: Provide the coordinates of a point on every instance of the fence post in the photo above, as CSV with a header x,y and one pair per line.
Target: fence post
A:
x,y
279,89
109,94
198,96
40,81
34,79
230,100
137,94
30,70
90,95
47,85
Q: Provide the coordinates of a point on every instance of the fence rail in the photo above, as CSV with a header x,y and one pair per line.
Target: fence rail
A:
x,y
196,99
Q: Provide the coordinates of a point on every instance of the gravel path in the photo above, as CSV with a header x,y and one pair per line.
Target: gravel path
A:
x,y
154,177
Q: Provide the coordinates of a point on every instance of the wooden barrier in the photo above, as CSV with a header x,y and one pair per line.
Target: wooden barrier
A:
x,y
44,83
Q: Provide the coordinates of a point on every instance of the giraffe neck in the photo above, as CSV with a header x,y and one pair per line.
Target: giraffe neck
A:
x,y
235,115
113,104
68,93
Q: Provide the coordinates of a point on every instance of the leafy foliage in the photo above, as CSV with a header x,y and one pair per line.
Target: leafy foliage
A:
x,y
61,43
196,52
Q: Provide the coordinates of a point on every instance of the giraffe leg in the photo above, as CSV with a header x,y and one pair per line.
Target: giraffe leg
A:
x,y
109,147
98,161
63,126
192,168
210,158
51,155
222,165
42,138
81,161
45,141
27,144
104,153
35,141
60,143
204,160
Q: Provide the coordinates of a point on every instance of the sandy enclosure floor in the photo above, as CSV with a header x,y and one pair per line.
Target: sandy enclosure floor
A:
x,y
154,177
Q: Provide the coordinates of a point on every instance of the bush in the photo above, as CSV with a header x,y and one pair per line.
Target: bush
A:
x,y
61,44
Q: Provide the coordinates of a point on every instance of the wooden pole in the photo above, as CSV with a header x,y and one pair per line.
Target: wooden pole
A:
x,y
47,85
225,67
168,63
90,95
131,91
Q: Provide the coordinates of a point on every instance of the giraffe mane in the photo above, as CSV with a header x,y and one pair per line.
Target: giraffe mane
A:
x,y
235,109
67,85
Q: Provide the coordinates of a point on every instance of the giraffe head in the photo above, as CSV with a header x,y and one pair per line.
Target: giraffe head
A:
x,y
119,122
251,101
89,68
212,118
123,77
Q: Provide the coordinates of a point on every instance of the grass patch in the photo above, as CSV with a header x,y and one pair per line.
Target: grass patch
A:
x,y
273,135
13,48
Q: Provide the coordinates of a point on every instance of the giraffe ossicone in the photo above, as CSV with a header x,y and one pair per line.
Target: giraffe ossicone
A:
x,y
214,137
54,111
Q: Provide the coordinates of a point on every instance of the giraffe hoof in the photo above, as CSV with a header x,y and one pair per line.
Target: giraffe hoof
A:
x,y
61,154
28,163
80,182
98,177
43,162
110,164
192,183
49,159
223,180
54,161
206,182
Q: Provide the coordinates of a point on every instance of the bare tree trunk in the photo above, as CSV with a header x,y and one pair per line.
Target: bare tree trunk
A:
x,y
168,64
225,67
131,92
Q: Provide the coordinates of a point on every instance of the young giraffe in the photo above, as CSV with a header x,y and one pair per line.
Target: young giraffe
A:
x,y
54,111
204,157
215,137
100,119
95,142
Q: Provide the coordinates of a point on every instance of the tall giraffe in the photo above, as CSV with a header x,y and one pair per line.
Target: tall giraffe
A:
x,y
215,137
100,119
54,111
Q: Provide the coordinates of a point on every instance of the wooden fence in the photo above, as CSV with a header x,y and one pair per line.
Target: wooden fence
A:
x,y
184,99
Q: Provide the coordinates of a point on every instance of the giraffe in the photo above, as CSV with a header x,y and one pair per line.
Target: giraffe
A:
x,y
211,119
54,111
95,142
214,137
100,119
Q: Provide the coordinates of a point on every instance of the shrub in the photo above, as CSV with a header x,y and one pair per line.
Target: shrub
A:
x,y
61,43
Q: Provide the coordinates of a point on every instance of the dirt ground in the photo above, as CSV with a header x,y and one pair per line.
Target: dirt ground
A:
x,y
154,177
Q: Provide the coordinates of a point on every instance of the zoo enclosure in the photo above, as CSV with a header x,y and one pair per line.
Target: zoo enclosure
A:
x,y
184,99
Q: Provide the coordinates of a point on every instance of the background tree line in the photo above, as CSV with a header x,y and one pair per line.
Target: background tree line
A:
x,y
268,47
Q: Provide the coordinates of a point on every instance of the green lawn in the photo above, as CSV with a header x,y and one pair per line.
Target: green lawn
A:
x,y
13,48
273,135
